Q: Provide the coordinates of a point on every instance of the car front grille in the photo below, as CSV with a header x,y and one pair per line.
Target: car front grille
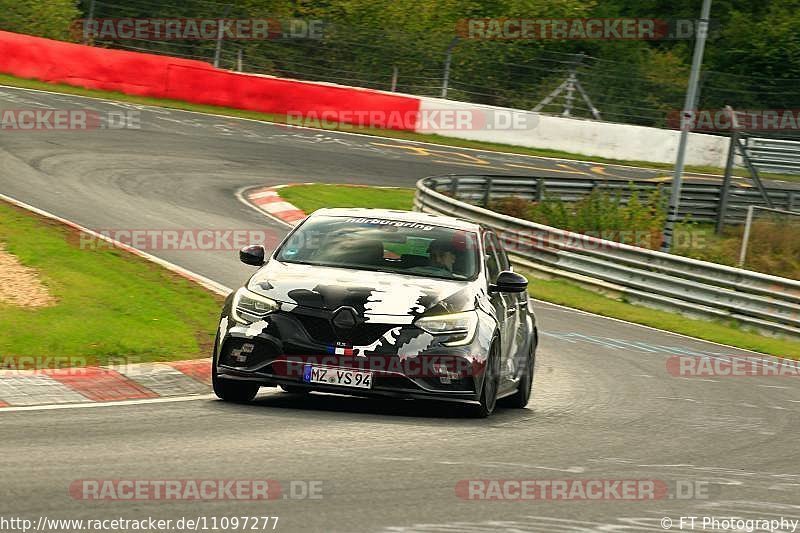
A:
x,y
323,331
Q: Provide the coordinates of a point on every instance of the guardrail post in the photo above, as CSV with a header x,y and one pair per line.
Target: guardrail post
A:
x,y
453,186
488,192
792,196
539,189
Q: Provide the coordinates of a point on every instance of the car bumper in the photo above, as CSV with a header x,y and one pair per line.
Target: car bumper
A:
x,y
409,391
277,354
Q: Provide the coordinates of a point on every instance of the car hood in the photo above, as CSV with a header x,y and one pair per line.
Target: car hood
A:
x,y
372,294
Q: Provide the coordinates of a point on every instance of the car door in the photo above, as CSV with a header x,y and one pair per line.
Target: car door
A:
x,y
500,301
516,316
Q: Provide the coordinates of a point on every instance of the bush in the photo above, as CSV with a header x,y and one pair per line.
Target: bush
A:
x,y
51,19
774,246
600,214
512,206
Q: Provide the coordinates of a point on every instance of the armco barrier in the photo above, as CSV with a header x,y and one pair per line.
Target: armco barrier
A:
x,y
774,155
193,81
699,200
697,288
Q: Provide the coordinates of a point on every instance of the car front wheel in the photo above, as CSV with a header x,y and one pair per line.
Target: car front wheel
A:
x,y
491,381
231,390
522,397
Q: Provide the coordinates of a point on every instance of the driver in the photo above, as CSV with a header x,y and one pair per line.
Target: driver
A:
x,y
442,254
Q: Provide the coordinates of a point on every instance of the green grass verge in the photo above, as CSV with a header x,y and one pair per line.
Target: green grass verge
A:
x,y
311,197
109,302
14,81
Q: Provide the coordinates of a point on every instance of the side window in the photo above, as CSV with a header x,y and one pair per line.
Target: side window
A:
x,y
492,260
502,258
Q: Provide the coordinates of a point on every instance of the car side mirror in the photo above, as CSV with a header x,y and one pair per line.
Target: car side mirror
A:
x,y
252,255
508,281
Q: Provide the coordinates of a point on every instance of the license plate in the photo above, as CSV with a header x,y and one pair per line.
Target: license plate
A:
x,y
341,377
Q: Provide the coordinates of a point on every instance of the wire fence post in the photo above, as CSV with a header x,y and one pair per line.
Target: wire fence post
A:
x,y
448,58
570,92
746,237
87,23
394,79
220,24
726,181
687,118
748,161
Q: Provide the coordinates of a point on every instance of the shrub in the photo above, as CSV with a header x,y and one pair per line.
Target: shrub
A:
x,y
50,19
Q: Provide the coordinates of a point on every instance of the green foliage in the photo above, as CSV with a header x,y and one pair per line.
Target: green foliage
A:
x,y
774,245
309,198
50,19
601,214
752,57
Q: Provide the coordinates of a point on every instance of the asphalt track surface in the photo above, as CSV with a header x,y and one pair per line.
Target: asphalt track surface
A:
x,y
604,407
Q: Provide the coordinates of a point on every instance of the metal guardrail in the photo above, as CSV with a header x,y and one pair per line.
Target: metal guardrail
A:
x,y
774,155
699,201
697,288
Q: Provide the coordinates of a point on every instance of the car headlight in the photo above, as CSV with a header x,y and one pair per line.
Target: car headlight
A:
x,y
250,307
460,326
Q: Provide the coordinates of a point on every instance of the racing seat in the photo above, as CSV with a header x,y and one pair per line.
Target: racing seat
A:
x,y
356,252
366,252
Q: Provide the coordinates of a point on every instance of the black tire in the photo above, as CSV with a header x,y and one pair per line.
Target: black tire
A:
x,y
521,398
491,382
295,390
228,389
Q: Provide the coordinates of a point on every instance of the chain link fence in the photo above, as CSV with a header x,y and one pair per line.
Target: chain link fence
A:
x,y
644,87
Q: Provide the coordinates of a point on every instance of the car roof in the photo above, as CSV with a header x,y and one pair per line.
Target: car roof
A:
x,y
399,215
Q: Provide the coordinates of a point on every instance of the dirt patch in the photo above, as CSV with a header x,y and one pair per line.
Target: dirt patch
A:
x,y
20,285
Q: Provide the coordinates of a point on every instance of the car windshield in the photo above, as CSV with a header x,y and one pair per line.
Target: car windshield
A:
x,y
382,244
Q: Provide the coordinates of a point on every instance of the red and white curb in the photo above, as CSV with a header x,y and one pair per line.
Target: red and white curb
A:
x,y
104,383
268,201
